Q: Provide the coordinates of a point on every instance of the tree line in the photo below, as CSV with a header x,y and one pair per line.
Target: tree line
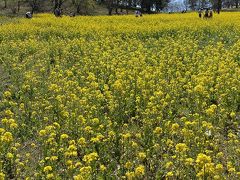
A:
x,y
85,6
215,4
113,6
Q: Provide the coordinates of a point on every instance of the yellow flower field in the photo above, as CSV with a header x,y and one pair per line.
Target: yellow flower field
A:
x,y
120,97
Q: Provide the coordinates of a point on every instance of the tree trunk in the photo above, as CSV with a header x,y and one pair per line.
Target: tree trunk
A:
x,y
236,3
110,11
55,4
117,4
129,3
109,6
60,3
148,9
78,9
33,8
219,6
192,5
5,3
18,5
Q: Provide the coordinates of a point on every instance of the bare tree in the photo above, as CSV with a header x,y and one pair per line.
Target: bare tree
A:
x,y
186,4
5,3
236,3
58,3
34,4
83,5
13,6
192,4
110,5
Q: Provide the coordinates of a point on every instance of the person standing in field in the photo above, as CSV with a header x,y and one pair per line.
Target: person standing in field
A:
x,y
28,15
206,13
136,13
72,14
200,13
211,14
57,12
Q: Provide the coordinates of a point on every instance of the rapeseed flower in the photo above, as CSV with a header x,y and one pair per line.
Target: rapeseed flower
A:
x,y
90,157
203,159
181,147
134,98
47,169
140,170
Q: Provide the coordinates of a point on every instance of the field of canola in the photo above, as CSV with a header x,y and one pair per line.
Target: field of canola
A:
x,y
120,97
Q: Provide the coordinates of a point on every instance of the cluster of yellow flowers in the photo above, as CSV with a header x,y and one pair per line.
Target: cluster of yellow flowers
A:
x,y
120,97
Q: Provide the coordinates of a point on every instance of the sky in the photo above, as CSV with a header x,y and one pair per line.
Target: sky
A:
x,y
176,5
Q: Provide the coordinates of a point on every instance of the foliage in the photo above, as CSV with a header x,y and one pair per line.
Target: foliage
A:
x,y
83,5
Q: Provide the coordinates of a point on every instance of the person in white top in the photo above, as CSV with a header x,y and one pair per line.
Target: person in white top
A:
x,y
28,15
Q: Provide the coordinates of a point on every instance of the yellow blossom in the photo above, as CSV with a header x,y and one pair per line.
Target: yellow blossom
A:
x,y
140,170
7,137
47,169
181,147
142,155
102,167
90,157
203,159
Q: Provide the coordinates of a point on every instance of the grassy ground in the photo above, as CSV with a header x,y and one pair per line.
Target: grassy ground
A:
x,y
231,10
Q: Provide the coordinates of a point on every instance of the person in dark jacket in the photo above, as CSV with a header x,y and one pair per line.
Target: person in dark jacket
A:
x,y
206,13
211,14
200,13
57,12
